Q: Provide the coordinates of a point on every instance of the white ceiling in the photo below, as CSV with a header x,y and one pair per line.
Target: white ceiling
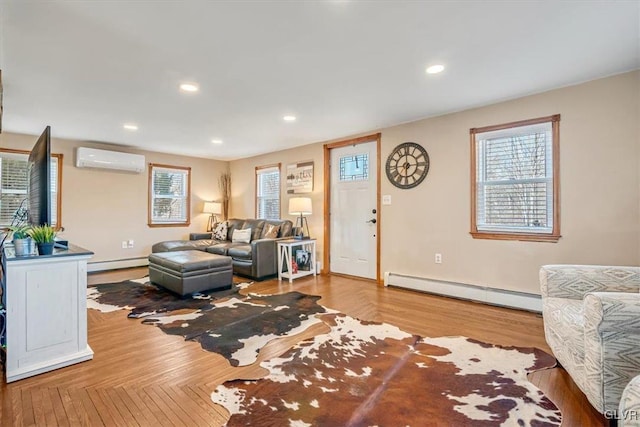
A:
x,y
341,67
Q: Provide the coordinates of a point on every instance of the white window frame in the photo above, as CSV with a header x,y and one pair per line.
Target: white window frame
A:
x,y
56,183
184,198
263,170
479,136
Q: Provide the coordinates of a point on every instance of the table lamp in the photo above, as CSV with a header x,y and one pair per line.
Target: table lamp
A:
x,y
212,208
301,206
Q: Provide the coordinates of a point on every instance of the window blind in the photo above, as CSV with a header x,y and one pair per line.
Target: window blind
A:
x,y
169,191
268,193
14,186
515,180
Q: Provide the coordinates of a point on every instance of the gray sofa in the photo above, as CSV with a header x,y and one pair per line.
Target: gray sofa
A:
x,y
256,260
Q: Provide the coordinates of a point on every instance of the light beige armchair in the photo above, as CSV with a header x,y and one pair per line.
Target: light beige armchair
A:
x,y
629,413
592,324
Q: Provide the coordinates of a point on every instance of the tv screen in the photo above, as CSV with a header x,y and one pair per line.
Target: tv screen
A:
x,y
39,171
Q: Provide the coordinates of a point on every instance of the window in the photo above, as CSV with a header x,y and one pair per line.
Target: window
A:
x,y
169,195
354,168
14,184
515,181
268,192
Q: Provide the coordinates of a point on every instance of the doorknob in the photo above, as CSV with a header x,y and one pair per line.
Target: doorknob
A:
x,y
372,221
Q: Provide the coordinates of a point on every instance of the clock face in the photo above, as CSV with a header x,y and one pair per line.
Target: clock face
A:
x,y
407,165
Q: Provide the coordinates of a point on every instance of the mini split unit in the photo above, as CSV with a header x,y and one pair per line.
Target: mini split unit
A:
x,y
104,159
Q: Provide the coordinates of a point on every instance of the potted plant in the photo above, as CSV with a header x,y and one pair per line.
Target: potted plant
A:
x,y
44,236
21,239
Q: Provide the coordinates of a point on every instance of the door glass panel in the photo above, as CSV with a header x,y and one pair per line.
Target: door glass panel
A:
x,y
355,167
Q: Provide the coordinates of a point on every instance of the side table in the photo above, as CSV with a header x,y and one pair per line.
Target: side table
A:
x,y
286,260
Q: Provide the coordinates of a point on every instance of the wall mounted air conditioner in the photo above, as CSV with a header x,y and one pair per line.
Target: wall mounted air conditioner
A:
x,y
105,159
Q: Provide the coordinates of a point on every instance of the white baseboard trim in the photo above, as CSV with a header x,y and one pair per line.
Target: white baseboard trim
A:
x,y
493,296
116,264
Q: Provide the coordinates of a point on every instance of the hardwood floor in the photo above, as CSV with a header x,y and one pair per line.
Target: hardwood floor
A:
x,y
141,376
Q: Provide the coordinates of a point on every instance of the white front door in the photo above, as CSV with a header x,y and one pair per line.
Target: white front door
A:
x,y
354,184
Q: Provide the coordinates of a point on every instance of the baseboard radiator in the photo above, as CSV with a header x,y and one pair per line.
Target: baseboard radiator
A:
x,y
117,264
493,296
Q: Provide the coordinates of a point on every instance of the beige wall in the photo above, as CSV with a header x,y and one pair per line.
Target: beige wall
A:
x,y
600,191
100,208
243,185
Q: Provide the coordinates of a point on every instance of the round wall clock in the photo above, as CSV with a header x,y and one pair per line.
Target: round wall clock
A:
x,y
407,165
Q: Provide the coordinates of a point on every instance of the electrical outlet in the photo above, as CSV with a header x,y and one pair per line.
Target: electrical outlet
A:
x,y
124,244
130,243
438,258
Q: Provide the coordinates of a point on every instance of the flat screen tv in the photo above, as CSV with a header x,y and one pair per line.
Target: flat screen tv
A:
x,y
39,174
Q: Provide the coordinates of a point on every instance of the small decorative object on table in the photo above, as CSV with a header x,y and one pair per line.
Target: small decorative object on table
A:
x,y
21,239
303,260
44,236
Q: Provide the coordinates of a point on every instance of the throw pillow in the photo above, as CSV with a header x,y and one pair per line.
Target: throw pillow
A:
x,y
220,231
241,236
270,231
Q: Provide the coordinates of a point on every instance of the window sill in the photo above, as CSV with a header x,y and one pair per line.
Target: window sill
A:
x,y
176,224
551,238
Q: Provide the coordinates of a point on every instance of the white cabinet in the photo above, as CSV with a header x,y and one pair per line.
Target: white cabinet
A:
x,y
46,320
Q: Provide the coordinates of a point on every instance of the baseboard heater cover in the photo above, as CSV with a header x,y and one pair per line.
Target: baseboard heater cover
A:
x,y
117,264
493,296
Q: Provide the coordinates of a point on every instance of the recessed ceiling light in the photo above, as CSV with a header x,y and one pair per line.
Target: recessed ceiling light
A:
x,y
189,87
130,126
289,118
216,141
435,69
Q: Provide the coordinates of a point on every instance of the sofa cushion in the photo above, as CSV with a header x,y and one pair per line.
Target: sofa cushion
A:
x,y
221,248
286,227
240,252
220,231
270,231
256,226
233,224
241,236
181,245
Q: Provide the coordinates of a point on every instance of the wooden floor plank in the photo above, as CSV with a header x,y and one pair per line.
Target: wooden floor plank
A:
x,y
89,411
154,408
121,406
38,409
205,403
58,408
15,407
148,417
140,375
167,410
28,418
126,400
47,405
70,408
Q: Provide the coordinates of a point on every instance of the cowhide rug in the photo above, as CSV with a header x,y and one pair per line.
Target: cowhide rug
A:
x,y
365,374
359,374
236,326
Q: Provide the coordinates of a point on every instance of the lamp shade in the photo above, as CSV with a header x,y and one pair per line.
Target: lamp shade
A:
x,y
212,207
300,206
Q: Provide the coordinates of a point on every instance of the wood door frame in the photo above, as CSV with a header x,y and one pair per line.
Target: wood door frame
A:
x,y
377,138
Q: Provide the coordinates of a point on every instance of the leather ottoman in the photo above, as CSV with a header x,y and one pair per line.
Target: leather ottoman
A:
x,y
186,272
